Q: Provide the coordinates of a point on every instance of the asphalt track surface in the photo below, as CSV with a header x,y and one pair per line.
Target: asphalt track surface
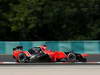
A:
x,y
90,58
50,70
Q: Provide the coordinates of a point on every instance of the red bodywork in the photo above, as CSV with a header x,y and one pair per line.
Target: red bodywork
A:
x,y
17,52
56,55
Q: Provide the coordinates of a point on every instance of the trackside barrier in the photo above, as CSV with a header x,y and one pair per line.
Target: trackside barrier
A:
x,y
91,47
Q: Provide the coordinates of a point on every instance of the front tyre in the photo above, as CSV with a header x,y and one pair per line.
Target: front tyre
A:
x,y
71,57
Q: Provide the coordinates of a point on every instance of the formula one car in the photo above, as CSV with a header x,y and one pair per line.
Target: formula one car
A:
x,y
41,54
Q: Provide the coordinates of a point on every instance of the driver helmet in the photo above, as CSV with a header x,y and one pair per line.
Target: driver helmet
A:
x,y
14,49
44,47
19,47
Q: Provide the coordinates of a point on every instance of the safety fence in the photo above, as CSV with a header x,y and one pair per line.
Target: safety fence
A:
x,y
92,47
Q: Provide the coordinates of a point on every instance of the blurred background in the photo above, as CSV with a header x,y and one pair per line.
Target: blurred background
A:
x,y
56,23
34,20
90,47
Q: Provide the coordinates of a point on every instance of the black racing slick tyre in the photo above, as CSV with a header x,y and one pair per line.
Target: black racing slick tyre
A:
x,y
22,58
71,57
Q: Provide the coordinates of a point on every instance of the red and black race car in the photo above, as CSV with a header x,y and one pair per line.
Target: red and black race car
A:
x,y
42,54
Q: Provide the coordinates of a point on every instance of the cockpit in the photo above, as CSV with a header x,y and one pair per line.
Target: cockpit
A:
x,y
35,50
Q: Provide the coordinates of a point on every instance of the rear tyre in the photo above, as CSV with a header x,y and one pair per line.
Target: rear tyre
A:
x,y
22,58
71,57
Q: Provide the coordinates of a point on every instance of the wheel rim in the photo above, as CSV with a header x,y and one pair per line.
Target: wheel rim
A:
x,y
22,59
71,57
